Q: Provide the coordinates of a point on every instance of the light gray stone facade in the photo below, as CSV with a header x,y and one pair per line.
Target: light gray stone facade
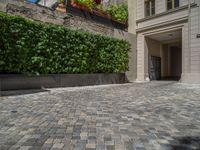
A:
x,y
158,34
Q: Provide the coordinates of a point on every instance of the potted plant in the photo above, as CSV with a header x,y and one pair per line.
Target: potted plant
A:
x,y
114,15
86,4
100,10
61,6
78,8
119,13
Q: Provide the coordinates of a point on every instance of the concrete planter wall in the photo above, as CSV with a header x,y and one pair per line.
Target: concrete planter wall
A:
x,y
97,16
16,82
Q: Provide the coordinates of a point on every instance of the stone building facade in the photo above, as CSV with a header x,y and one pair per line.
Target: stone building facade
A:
x,y
168,43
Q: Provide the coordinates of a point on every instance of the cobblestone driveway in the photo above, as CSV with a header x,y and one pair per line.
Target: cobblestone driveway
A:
x,y
151,116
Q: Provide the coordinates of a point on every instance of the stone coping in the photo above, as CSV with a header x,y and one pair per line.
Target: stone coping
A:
x,y
19,81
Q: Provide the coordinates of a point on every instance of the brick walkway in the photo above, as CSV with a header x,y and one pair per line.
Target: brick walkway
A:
x,y
151,116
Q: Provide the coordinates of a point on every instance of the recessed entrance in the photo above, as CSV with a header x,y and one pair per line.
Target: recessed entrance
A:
x,y
165,55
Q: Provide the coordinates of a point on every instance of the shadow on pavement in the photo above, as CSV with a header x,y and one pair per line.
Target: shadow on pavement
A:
x,y
21,92
185,143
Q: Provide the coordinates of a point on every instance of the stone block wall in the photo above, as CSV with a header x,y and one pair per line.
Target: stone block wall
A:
x,y
83,24
44,14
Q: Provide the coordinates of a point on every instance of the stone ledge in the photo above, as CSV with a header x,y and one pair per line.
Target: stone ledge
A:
x,y
18,81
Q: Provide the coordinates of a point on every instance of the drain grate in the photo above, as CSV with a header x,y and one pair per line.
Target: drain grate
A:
x,y
13,111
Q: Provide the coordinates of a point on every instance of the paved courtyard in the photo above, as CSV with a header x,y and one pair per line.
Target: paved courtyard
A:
x,y
150,116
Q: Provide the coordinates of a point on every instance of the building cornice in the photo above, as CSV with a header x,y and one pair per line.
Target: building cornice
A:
x,y
163,24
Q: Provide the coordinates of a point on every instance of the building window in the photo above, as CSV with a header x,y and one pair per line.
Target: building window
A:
x,y
171,4
149,7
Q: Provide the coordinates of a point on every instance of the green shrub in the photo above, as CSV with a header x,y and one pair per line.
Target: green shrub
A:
x,y
31,47
88,3
119,12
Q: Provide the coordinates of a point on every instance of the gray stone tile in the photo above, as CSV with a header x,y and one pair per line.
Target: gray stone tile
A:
x,y
150,116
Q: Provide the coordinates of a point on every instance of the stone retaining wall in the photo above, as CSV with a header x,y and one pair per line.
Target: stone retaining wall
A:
x,y
17,82
44,14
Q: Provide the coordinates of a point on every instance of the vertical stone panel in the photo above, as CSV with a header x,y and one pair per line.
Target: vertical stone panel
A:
x,y
140,9
160,6
195,42
140,57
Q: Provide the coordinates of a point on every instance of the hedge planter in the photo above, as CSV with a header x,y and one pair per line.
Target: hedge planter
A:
x,y
29,47
18,81
96,15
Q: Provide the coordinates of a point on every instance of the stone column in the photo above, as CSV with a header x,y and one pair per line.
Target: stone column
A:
x,y
132,16
191,50
132,73
141,58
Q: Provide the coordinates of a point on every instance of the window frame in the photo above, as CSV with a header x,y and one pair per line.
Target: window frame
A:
x,y
173,5
150,8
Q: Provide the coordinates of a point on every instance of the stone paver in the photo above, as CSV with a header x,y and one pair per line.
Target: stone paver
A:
x,y
145,116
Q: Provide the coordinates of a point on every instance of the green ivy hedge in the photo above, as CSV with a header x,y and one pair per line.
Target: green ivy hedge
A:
x,y
31,47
